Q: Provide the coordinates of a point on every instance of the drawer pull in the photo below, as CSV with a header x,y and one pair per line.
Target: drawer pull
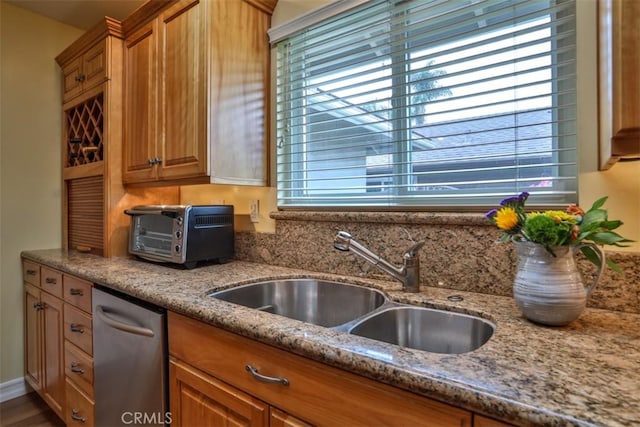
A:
x,y
38,306
51,280
76,368
77,292
76,328
31,272
265,379
76,417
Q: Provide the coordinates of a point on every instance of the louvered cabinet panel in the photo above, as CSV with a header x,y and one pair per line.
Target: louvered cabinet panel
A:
x,y
85,214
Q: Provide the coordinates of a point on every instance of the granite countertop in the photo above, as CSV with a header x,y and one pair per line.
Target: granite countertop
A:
x,y
587,373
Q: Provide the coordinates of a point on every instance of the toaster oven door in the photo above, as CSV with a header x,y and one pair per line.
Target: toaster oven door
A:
x,y
156,237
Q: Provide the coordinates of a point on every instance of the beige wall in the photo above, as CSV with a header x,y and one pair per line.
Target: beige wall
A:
x,y
30,129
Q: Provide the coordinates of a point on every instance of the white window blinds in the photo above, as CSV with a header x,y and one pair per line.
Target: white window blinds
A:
x,y
440,103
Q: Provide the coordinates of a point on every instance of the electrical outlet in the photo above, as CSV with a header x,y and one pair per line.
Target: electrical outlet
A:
x,y
254,210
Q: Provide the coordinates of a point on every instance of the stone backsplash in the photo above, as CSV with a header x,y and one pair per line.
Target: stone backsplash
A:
x,y
461,252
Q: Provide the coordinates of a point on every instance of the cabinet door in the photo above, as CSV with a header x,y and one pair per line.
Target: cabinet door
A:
x,y
94,65
53,352
182,88
198,399
139,122
282,419
71,79
32,337
239,77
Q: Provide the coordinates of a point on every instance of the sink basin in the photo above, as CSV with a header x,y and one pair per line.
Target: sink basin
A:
x,y
320,302
426,329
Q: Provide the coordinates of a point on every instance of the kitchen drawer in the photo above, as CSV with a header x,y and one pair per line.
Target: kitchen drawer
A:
x,y
31,272
78,328
80,408
315,392
51,281
77,292
78,367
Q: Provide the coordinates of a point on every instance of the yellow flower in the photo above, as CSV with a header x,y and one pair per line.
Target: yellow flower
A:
x,y
559,216
506,219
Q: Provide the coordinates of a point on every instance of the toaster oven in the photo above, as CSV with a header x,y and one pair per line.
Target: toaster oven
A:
x,y
181,234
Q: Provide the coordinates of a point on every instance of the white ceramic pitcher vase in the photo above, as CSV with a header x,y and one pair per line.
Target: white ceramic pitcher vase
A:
x,y
549,289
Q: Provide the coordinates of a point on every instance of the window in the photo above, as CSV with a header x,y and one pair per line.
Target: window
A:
x,y
429,103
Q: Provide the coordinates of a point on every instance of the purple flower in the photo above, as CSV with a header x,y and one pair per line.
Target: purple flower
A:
x,y
491,213
523,197
509,201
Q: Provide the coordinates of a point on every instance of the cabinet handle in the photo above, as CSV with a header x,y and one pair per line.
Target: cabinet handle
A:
x,y
76,417
31,272
77,292
76,328
80,78
51,280
154,161
265,379
76,368
38,306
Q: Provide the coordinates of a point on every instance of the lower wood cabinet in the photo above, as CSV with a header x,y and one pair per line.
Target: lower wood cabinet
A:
x,y
58,341
33,337
80,408
480,421
210,377
44,356
198,399
53,352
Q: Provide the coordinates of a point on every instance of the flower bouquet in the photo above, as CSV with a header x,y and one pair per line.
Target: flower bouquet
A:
x,y
558,228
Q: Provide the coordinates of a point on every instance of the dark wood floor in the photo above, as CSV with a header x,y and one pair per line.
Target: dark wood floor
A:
x,y
28,411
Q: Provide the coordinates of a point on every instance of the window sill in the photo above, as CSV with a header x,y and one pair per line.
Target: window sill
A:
x,y
433,218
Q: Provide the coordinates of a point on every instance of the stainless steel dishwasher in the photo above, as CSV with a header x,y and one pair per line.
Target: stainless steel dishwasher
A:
x,y
130,360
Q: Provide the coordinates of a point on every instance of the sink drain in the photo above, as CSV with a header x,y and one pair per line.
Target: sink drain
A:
x,y
455,298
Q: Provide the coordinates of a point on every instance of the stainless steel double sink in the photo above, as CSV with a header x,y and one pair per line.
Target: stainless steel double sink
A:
x,y
365,312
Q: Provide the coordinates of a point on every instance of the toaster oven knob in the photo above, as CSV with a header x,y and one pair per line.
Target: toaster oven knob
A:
x,y
177,248
179,219
178,234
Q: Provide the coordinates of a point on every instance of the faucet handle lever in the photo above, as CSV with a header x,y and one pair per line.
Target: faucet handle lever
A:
x,y
411,252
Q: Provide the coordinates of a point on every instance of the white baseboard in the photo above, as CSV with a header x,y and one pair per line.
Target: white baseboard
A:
x,y
13,388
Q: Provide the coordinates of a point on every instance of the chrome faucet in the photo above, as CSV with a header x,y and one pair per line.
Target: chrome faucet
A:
x,y
408,274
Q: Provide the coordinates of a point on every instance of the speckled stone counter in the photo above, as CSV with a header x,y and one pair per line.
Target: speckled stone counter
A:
x,y
585,374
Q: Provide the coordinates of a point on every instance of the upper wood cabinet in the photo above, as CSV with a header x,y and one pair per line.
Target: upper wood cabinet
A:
x,y
140,87
195,99
94,197
619,90
85,71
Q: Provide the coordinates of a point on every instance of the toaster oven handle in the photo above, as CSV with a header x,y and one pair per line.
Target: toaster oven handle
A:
x,y
134,212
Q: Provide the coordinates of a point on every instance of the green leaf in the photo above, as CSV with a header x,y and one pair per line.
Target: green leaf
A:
x,y
611,225
598,203
615,267
592,219
606,238
591,255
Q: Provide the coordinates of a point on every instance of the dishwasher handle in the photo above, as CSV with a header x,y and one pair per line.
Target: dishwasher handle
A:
x,y
137,330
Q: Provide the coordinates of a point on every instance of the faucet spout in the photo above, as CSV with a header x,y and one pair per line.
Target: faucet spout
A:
x,y
408,274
